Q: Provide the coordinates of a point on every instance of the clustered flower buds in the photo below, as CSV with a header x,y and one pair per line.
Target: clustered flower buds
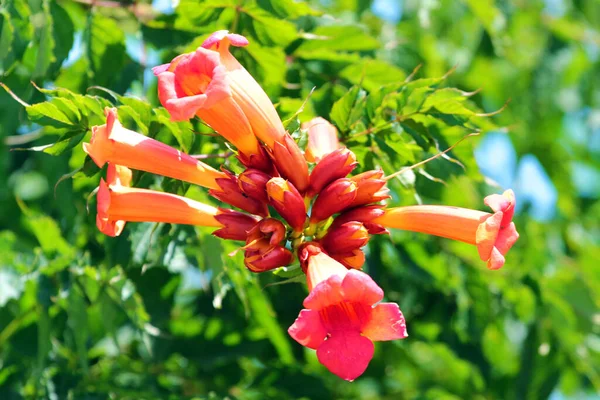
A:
x,y
323,218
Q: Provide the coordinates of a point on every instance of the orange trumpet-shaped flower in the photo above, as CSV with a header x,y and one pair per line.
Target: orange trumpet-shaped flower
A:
x,y
343,315
493,234
332,166
333,199
322,139
291,163
118,203
197,84
246,92
288,202
117,145
236,225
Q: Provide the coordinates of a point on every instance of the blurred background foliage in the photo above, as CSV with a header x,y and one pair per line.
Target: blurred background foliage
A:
x,y
164,312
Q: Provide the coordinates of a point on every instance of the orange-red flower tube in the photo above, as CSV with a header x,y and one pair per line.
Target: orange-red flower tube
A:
x,y
343,315
118,203
246,92
113,143
197,84
493,234
322,139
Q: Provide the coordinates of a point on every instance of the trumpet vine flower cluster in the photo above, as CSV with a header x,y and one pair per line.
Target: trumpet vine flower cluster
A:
x,y
287,204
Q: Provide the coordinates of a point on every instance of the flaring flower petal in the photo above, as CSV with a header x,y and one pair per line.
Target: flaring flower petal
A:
x,y
234,39
326,293
387,323
486,235
346,354
308,329
360,287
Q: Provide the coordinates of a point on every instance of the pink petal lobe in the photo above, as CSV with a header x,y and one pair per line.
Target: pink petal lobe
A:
x,y
496,260
218,36
505,202
180,109
308,329
160,68
360,287
387,323
506,238
325,293
346,354
486,235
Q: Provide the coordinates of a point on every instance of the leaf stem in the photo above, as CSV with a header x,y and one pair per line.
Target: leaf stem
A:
x,y
403,170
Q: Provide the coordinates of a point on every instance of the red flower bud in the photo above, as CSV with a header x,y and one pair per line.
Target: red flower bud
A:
x,y
269,229
231,193
291,163
236,225
351,260
333,166
275,257
260,161
371,188
288,202
364,215
333,199
345,238
254,183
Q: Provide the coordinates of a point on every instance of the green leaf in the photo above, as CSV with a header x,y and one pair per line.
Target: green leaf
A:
x,y
63,30
346,111
499,351
44,51
373,74
290,9
64,143
270,30
271,64
47,232
106,49
6,38
339,38
23,28
263,312
58,113
182,131
447,101
77,322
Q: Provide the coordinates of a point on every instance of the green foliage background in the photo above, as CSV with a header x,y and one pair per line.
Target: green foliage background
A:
x,y
164,312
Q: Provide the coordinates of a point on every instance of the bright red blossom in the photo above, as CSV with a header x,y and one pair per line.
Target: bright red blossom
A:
x,y
343,316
